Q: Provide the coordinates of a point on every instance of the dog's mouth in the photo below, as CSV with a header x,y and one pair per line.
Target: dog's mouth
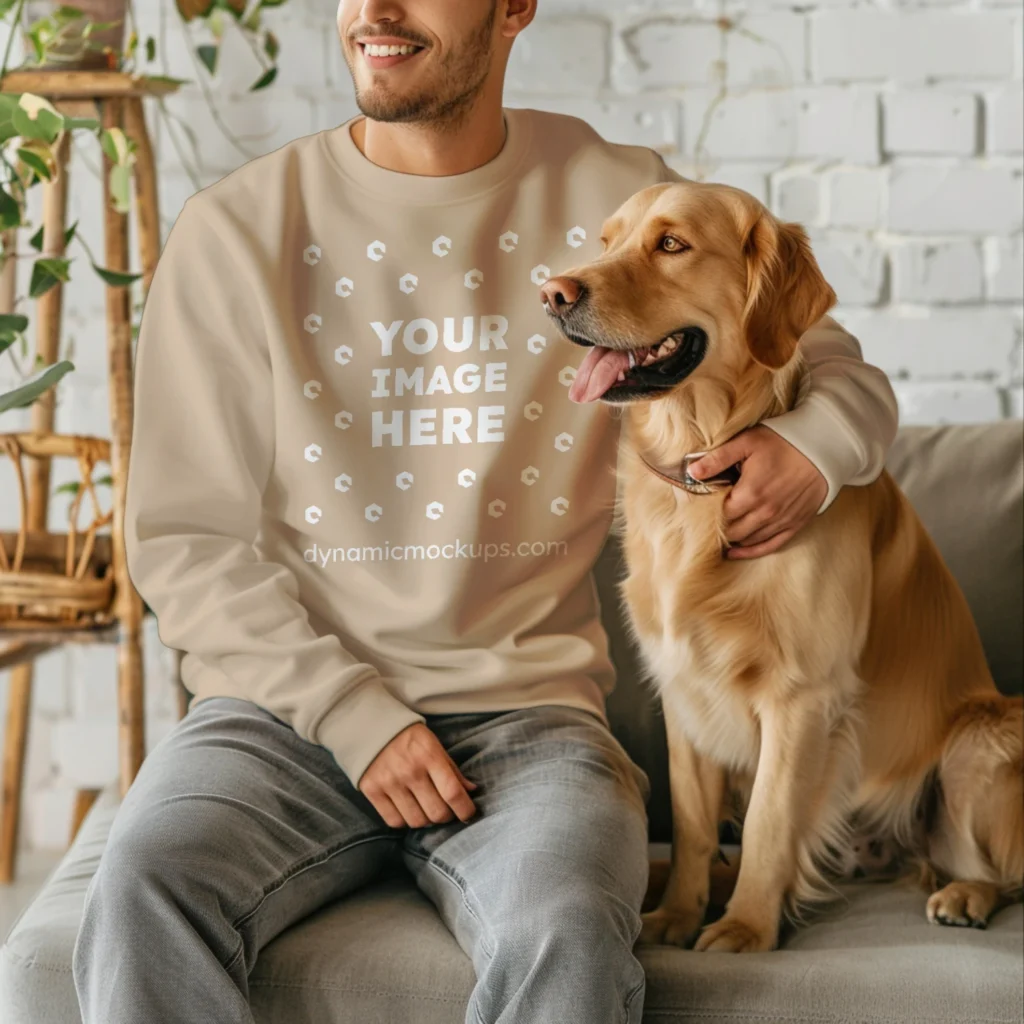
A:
x,y
622,375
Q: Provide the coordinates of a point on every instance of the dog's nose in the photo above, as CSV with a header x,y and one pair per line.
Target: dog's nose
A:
x,y
560,294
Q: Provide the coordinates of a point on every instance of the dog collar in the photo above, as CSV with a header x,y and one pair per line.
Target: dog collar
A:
x,y
712,485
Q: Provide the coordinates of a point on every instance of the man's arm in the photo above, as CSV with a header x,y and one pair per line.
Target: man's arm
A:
x,y
846,417
202,454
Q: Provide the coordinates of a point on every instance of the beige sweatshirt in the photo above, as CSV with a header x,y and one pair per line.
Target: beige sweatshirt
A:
x,y
358,491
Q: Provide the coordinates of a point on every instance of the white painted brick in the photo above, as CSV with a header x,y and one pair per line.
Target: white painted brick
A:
x,y
1015,398
85,751
261,123
47,817
969,198
786,124
752,178
797,195
1018,48
913,343
934,404
754,50
84,342
873,45
49,683
1004,260
937,273
40,770
309,57
640,121
38,762
927,121
93,670
1004,121
559,55
856,197
853,265
333,109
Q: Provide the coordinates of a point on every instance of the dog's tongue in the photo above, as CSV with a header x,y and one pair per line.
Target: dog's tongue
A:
x,y
599,370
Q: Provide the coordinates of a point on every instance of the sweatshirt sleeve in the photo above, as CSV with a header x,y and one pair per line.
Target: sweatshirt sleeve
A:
x,y
202,454
846,414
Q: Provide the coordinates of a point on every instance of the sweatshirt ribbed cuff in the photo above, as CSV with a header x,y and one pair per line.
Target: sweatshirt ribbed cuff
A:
x,y
814,432
361,724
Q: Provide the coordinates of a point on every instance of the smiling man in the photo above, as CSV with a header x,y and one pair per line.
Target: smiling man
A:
x,y
364,504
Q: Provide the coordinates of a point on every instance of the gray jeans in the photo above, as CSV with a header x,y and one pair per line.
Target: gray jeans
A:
x,y
236,828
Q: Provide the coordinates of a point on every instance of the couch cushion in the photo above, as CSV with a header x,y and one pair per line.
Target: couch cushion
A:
x,y
383,956
966,482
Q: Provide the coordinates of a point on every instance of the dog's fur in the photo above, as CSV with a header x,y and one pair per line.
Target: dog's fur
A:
x,y
838,679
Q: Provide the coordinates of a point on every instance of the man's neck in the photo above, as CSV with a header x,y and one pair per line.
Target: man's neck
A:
x,y
433,150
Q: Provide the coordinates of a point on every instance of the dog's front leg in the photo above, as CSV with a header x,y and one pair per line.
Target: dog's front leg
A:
x,y
791,774
696,786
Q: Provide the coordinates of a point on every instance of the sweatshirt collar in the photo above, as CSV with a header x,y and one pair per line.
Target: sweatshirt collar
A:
x,y
421,188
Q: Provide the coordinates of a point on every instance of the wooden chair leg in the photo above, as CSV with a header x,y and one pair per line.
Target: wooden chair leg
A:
x,y
19,705
84,799
131,722
147,207
183,695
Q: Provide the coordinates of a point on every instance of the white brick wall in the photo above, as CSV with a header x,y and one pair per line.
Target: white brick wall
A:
x,y
893,130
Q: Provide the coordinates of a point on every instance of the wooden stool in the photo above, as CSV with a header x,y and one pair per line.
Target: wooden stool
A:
x,y
115,99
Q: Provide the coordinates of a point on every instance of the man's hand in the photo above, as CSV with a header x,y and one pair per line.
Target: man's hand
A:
x,y
414,782
779,491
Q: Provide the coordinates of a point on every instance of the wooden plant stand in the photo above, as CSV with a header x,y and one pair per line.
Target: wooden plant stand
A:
x,y
74,588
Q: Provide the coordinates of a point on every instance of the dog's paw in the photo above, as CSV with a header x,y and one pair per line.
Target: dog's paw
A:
x,y
663,927
962,904
733,935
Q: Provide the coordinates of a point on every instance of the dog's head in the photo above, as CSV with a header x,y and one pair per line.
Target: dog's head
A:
x,y
694,278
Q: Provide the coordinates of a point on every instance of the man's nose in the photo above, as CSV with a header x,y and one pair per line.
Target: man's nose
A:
x,y
560,294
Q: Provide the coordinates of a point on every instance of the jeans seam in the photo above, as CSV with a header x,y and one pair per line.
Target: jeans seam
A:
x,y
288,874
631,997
459,882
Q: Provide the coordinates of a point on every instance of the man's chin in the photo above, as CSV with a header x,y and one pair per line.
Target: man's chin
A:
x,y
377,105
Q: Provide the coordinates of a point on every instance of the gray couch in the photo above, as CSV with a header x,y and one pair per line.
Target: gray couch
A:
x,y
383,957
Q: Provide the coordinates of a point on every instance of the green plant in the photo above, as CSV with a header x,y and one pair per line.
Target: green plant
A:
x,y
31,129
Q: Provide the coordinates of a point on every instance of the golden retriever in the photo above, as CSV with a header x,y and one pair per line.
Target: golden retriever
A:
x,y
838,681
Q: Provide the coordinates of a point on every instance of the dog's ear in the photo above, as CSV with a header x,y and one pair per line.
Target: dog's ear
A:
x,y
786,292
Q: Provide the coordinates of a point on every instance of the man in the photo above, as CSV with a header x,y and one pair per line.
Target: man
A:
x,y
362,503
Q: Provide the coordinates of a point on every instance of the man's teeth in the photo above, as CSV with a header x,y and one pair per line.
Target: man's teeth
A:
x,y
388,51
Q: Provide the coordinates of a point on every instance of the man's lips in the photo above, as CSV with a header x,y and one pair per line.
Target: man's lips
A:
x,y
378,59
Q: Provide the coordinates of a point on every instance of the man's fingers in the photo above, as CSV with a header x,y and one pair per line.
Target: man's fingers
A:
x,y
387,810
741,530
433,804
449,782
409,808
766,533
765,548
719,460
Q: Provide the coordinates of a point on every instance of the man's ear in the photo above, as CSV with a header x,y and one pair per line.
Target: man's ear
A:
x,y
786,291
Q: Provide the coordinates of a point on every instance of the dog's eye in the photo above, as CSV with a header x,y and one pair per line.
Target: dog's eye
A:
x,y
672,244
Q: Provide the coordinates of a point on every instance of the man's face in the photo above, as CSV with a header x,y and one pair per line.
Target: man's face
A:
x,y
447,52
